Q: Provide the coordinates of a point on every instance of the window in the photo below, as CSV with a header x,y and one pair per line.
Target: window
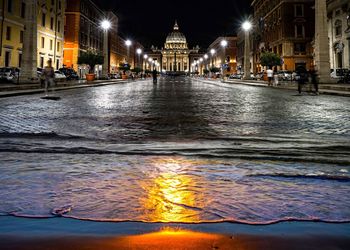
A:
x,y
52,2
8,33
41,62
298,10
299,30
59,5
19,60
57,64
43,19
51,45
58,46
9,5
21,36
51,23
43,42
58,26
7,58
299,49
338,28
23,9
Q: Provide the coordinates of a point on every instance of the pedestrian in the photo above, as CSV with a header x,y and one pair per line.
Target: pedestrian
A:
x,y
269,76
154,74
49,75
314,80
301,78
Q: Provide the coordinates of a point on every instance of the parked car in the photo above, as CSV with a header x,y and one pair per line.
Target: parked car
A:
x,y
59,76
284,75
9,74
236,76
70,73
114,76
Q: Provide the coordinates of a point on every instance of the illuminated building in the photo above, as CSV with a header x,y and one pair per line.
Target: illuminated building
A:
x,y
50,32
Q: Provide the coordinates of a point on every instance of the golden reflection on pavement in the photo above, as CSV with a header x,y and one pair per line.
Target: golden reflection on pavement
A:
x,y
171,196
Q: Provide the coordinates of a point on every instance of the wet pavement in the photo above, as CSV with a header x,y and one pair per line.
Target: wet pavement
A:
x,y
177,109
182,150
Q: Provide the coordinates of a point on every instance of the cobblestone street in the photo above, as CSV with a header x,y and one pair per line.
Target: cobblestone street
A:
x,y
177,109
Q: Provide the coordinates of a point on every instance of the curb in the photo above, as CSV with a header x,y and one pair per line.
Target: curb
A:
x,y
333,90
41,90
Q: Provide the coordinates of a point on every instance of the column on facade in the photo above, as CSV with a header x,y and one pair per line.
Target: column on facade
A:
x,y
30,48
322,58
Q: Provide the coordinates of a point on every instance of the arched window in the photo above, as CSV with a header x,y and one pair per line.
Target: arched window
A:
x,y
338,27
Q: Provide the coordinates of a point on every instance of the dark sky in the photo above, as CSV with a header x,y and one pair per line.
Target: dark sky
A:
x,y
150,21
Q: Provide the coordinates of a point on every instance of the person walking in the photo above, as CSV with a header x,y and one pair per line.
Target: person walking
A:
x,y
49,75
301,78
269,76
314,81
154,74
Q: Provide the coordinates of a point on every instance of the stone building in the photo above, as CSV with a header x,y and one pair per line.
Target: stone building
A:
x,y
175,56
338,14
83,32
49,19
226,56
287,28
176,52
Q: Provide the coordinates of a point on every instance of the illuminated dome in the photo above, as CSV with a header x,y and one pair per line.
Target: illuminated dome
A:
x,y
176,38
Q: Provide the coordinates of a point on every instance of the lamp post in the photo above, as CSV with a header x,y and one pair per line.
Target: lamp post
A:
x,y
212,52
206,58
247,26
128,44
105,25
139,52
223,44
150,61
145,61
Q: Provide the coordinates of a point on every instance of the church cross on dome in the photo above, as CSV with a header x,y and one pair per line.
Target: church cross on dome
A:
x,y
176,27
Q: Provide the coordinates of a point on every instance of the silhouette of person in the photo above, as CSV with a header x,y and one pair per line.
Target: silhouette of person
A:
x,y
154,74
313,75
48,74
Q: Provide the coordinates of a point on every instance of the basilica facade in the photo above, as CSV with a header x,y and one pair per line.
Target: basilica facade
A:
x,y
175,56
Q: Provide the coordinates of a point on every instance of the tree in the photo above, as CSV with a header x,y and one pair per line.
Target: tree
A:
x,y
214,70
205,71
90,58
136,70
270,59
124,67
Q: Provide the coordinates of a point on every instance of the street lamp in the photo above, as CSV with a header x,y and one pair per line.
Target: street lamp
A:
x,y
139,52
128,44
247,26
105,25
212,52
206,58
223,44
145,61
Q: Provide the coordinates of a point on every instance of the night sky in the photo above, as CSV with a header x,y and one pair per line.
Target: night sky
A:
x,y
150,21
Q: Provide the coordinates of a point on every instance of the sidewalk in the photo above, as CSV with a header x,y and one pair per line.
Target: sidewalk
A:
x,y
8,89
326,89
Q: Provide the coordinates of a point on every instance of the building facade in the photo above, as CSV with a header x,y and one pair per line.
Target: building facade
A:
x,y
83,33
175,52
287,28
338,14
224,57
50,19
175,56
